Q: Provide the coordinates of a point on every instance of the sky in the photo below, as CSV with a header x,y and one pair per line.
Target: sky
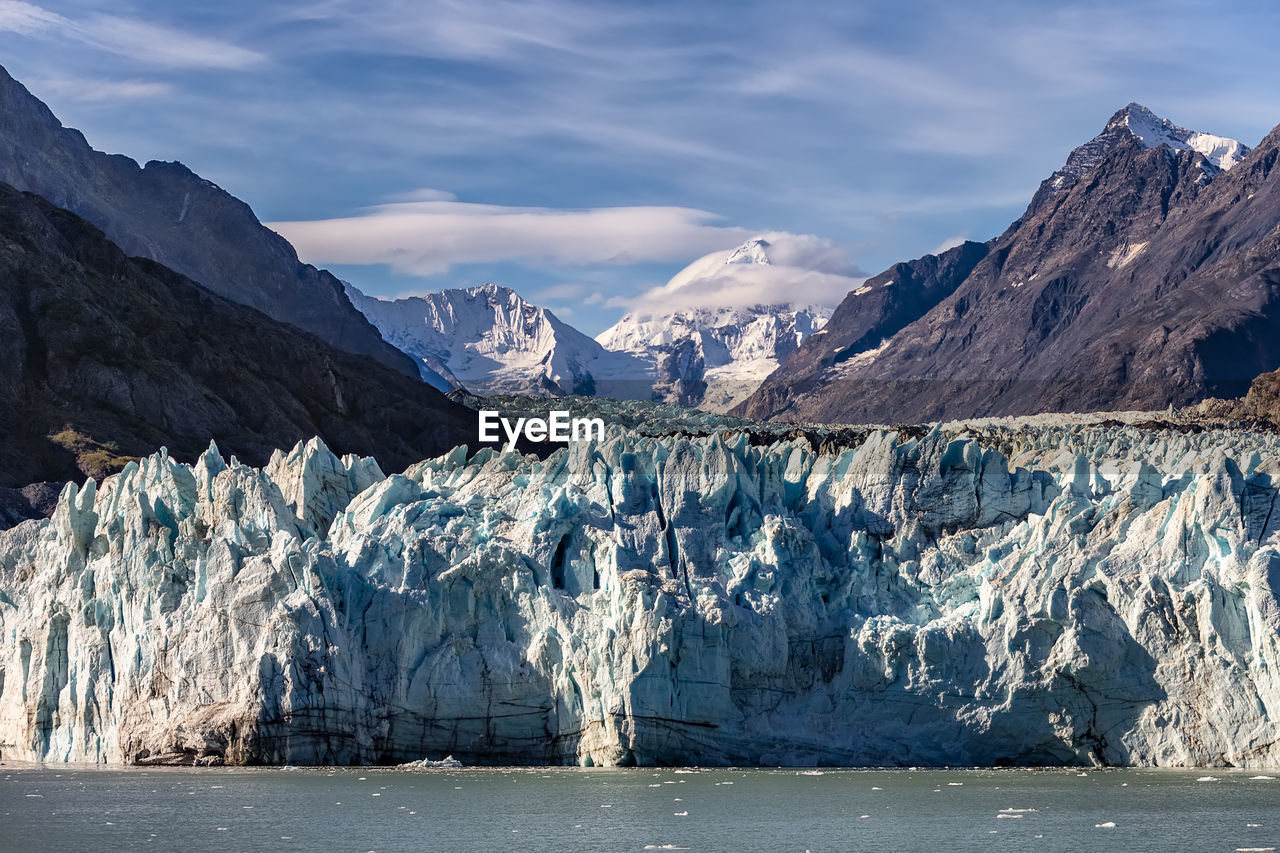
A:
x,y
583,153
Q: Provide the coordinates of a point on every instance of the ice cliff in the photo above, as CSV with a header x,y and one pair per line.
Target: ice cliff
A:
x,y
1042,594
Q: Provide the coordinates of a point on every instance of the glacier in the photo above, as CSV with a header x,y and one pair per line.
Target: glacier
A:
x,y
1045,593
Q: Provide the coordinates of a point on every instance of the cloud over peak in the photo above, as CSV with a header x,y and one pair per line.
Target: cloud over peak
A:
x,y
429,237
775,268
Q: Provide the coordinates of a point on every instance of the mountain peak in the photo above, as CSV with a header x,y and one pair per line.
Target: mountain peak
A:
x,y
489,290
754,251
1138,123
1152,132
1133,110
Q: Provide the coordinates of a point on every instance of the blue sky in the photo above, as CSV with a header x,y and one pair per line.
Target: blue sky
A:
x,y
584,152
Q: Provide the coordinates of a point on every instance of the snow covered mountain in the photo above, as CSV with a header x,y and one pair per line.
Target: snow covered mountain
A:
x,y
489,340
713,358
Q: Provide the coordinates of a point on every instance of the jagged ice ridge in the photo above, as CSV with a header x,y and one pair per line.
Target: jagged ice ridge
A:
x,y
1042,594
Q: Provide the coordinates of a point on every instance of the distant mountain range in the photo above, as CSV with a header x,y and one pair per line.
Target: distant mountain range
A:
x,y
145,306
1144,273
713,358
1141,275
489,340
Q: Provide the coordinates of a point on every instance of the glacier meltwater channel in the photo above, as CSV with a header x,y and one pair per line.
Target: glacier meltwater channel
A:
x,y
1045,594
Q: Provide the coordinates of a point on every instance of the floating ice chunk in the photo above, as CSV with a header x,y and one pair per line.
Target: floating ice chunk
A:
x,y
427,764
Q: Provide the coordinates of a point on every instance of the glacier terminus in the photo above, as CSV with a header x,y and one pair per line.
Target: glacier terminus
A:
x,y
1047,592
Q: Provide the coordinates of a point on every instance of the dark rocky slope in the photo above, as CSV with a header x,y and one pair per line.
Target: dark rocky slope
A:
x,y
166,213
1143,278
104,357
864,320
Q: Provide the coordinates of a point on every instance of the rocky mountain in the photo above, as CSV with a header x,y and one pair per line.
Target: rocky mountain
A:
x,y
488,340
166,213
1136,122
1143,274
1041,593
863,323
104,357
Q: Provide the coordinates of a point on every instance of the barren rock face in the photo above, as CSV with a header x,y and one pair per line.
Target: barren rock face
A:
x,y
166,213
1137,278
105,357
1039,594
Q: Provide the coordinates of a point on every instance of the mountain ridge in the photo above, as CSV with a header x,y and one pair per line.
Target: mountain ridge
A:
x,y
487,339
1057,316
165,212
104,358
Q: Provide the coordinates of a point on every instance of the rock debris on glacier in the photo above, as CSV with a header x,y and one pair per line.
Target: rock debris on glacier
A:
x,y
1046,593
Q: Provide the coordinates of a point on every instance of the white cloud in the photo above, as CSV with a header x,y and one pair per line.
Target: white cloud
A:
x,y
97,90
16,17
128,37
949,243
803,269
429,237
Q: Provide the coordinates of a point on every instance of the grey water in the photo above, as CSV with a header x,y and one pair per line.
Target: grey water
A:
x,y
362,809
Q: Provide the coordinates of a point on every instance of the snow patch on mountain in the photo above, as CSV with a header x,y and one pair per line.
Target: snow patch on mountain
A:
x,y
1154,131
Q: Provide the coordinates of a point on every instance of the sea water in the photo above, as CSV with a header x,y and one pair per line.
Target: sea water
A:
x,y
361,809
